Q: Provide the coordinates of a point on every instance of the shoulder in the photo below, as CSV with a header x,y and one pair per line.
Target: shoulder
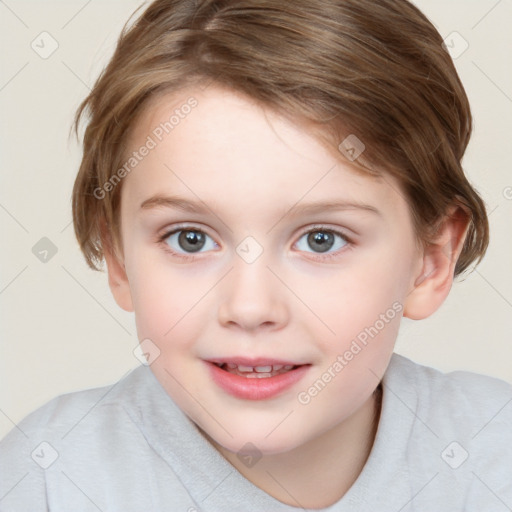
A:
x,y
453,428
50,433
472,391
118,442
464,403
61,413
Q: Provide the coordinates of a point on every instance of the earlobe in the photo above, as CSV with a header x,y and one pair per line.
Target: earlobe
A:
x,y
434,282
117,278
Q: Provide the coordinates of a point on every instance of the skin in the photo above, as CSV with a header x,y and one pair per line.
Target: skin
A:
x,y
250,167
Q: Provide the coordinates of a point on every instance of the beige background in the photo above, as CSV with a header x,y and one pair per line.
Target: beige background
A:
x,y
60,328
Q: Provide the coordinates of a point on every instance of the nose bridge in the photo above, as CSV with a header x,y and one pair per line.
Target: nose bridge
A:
x,y
253,296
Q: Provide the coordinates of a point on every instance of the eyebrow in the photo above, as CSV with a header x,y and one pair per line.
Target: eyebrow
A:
x,y
200,207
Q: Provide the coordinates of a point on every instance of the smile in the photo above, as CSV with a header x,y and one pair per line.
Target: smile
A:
x,y
258,382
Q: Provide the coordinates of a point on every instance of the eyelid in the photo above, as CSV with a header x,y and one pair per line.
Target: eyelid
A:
x,y
184,226
345,233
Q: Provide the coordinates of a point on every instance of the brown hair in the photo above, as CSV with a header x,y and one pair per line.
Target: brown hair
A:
x,y
373,69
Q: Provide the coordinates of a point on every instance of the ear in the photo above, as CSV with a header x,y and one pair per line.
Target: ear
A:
x,y
434,282
117,278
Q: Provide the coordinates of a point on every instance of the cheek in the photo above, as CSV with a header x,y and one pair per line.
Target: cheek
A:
x,y
364,310
363,307
166,304
354,298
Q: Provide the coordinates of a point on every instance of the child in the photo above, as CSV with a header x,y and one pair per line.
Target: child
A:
x,y
273,185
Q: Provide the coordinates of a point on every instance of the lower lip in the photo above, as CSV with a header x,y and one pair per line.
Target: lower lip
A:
x,y
255,388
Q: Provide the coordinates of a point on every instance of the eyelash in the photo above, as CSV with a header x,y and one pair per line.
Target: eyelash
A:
x,y
317,228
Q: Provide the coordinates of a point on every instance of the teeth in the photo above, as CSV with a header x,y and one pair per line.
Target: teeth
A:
x,y
259,369
263,369
256,371
242,368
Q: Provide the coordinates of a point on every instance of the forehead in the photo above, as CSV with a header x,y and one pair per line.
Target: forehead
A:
x,y
218,146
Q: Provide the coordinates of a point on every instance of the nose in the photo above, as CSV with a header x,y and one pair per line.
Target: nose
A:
x,y
252,298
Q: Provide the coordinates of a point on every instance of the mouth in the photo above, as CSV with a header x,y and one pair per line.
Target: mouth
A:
x,y
256,379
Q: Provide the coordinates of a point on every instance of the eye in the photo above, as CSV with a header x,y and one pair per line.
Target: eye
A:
x,y
184,242
322,240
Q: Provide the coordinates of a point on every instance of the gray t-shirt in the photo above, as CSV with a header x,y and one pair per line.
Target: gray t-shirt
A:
x,y
444,443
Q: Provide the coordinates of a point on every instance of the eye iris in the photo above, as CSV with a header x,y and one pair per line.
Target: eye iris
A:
x,y
321,239
191,241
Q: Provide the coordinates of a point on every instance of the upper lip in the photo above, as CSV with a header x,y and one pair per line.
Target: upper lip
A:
x,y
249,361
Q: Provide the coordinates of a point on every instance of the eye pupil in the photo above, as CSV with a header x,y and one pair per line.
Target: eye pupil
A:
x,y
191,241
321,239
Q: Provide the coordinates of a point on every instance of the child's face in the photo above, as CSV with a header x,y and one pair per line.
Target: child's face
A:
x,y
293,302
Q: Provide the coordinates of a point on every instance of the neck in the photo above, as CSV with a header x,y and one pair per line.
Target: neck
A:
x,y
318,473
